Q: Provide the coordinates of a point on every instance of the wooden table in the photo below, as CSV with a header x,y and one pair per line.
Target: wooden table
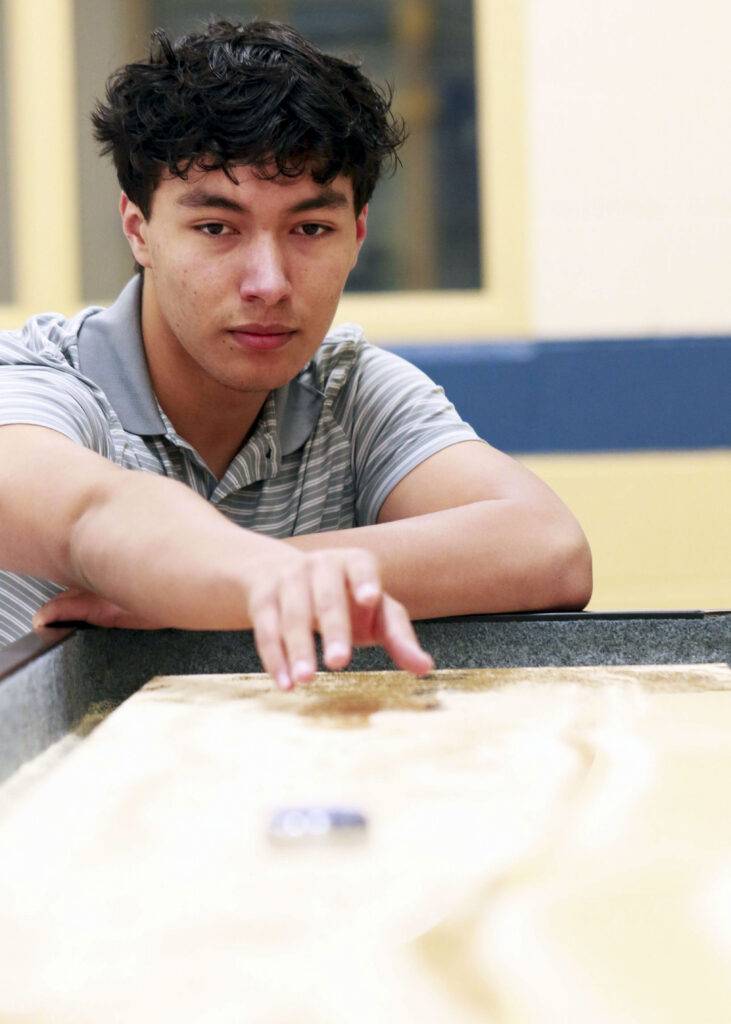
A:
x,y
543,844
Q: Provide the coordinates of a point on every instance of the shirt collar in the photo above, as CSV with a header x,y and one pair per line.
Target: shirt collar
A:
x,y
112,355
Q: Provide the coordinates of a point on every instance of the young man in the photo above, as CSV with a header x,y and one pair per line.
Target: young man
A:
x,y
293,481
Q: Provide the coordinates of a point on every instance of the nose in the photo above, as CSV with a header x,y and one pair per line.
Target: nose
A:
x,y
264,275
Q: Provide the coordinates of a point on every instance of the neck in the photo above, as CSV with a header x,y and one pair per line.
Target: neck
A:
x,y
215,419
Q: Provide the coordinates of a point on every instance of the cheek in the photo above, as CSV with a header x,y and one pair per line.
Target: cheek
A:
x,y
321,300
185,284
325,282
173,256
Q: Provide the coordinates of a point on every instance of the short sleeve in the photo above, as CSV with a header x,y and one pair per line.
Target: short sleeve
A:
x,y
396,417
38,390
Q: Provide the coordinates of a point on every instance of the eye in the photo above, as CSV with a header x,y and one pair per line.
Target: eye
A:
x,y
313,230
214,229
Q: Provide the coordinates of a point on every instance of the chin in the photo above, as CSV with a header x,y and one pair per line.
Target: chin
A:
x,y
256,383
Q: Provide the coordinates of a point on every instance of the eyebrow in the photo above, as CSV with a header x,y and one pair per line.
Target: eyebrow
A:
x,y
199,198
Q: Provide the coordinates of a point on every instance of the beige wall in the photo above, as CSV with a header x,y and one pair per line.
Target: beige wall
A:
x,y
629,143
6,241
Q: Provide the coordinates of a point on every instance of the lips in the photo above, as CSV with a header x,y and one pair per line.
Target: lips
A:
x,y
262,337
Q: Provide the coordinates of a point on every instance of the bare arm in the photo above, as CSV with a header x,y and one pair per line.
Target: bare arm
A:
x,y
73,517
471,530
152,547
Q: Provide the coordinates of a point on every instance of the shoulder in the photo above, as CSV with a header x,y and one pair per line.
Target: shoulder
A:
x,y
346,362
47,339
41,383
332,365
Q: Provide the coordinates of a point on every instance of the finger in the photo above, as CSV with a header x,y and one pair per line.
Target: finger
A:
x,y
83,606
295,610
400,641
331,608
71,605
364,578
268,643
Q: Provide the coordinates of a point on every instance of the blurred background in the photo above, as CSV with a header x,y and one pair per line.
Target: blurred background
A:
x,y
555,249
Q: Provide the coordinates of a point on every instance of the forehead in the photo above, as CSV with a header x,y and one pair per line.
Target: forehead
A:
x,y
247,181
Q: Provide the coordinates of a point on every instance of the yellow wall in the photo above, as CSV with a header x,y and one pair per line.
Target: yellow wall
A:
x,y
659,525
42,148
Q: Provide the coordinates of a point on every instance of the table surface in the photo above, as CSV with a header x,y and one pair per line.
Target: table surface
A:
x,y
543,844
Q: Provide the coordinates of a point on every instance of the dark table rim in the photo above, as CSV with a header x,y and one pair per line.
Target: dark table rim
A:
x,y
33,645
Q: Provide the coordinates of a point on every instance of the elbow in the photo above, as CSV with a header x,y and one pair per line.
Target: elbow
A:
x,y
572,575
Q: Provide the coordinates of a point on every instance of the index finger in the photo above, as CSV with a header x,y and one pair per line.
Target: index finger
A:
x,y
400,641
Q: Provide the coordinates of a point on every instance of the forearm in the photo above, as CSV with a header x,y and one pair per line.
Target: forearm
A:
x,y
486,556
151,553
136,550
157,549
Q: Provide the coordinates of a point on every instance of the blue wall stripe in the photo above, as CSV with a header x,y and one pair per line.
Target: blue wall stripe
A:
x,y
588,395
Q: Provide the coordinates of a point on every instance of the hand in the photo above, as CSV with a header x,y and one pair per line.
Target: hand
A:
x,y
336,593
79,605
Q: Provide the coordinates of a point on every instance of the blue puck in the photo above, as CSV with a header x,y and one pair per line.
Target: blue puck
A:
x,y
292,823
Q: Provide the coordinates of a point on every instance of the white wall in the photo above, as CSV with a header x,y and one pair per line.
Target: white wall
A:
x,y
629,132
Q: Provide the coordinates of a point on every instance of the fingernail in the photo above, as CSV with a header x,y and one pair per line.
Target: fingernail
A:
x,y
301,670
283,681
336,652
366,592
38,621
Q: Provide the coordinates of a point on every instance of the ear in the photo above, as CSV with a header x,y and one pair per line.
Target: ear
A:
x,y
134,226
361,230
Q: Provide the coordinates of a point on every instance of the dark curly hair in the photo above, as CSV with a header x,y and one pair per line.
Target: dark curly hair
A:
x,y
257,94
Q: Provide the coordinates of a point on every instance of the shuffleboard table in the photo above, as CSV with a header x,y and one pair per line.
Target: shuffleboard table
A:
x,y
539,830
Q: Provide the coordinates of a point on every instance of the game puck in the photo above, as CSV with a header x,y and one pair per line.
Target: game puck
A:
x,y
293,824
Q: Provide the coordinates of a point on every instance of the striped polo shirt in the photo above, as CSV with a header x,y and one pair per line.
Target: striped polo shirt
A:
x,y
325,452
